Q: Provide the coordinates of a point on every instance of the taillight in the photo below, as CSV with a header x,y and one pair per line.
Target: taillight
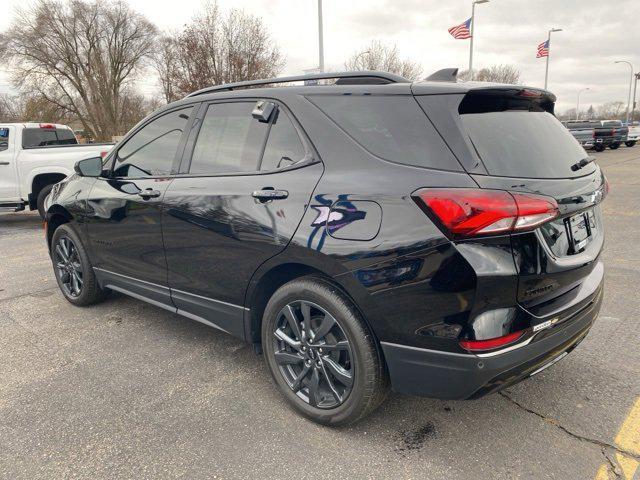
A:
x,y
467,212
490,344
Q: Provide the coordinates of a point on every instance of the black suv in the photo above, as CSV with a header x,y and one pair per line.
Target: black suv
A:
x,y
437,236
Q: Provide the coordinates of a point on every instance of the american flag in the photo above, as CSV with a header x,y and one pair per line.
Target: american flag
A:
x,y
543,49
461,32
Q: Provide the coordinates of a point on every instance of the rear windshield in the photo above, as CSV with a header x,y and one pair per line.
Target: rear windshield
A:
x,y
45,137
520,140
392,127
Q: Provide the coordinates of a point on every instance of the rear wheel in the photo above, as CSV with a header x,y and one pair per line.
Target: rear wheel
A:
x,y
42,196
321,354
72,268
614,146
598,147
630,143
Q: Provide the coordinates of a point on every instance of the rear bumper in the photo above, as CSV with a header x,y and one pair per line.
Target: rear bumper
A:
x,y
446,375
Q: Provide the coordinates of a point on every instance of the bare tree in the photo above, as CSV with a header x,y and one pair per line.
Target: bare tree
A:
x,y
611,110
10,108
216,48
80,56
378,56
23,108
495,73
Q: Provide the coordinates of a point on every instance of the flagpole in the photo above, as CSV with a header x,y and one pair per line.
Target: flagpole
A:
x,y
473,27
473,23
546,72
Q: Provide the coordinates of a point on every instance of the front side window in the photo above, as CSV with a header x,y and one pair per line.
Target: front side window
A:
x,y
230,140
283,147
150,152
4,139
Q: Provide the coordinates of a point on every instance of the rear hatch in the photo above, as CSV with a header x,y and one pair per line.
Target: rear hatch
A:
x,y
513,142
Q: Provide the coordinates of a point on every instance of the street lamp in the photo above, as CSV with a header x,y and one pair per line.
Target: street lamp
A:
x,y
320,39
473,27
578,104
546,72
630,83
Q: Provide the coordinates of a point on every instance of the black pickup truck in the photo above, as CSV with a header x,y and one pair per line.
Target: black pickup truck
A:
x,y
609,133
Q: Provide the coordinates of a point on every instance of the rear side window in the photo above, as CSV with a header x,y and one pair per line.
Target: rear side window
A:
x,y
520,138
391,127
45,137
230,140
283,147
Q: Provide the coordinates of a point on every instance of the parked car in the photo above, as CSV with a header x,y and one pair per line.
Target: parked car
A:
x,y
633,135
444,237
613,131
582,131
33,157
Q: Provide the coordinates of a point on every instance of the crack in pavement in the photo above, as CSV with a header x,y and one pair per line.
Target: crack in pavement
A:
x,y
7,299
613,465
603,445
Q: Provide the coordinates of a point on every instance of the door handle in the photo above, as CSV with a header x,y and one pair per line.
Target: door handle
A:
x,y
149,193
267,194
4,163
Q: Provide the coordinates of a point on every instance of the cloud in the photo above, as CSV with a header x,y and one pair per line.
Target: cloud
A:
x,y
595,33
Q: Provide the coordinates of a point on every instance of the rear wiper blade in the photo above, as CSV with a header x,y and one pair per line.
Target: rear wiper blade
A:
x,y
582,163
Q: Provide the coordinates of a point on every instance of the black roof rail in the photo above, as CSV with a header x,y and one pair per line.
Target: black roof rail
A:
x,y
444,75
363,77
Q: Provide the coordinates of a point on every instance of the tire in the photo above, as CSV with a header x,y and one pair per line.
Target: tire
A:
x,y
336,403
66,244
42,196
614,146
598,147
630,143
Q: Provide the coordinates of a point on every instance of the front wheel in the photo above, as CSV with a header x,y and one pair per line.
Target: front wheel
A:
x,y
598,147
614,146
630,143
73,269
321,354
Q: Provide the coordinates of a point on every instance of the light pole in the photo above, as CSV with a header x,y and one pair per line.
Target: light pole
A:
x,y
578,104
630,83
633,105
320,39
546,72
473,27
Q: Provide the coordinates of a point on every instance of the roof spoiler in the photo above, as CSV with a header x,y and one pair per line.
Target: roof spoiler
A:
x,y
444,75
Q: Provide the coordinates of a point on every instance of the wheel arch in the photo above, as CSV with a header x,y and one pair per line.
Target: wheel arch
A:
x,y
56,216
41,180
272,276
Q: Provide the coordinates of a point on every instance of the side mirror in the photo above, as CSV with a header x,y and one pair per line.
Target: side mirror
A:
x,y
89,167
263,110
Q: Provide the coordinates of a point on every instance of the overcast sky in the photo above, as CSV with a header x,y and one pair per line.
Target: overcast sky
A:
x,y
596,32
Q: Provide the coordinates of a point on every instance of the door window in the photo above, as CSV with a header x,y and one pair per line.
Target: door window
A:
x,y
283,147
151,151
230,140
4,139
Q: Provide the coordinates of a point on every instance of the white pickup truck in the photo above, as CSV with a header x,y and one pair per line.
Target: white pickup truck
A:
x,y
633,136
34,157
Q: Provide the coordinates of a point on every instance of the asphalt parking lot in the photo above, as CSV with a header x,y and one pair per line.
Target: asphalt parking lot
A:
x,y
128,390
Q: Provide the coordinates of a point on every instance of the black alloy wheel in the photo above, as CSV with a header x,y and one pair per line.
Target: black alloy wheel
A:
x,y
68,267
72,268
313,354
321,353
